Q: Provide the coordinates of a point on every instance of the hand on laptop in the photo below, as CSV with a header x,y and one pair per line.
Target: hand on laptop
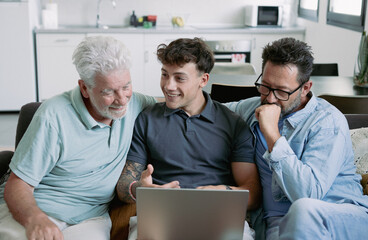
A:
x,y
146,180
220,187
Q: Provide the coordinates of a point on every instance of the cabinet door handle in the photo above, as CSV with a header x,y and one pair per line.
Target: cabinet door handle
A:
x,y
146,56
62,40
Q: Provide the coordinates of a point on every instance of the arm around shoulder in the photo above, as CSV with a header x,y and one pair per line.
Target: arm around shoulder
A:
x,y
144,100
245,107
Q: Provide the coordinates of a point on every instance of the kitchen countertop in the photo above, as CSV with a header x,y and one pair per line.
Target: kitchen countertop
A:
x,y
170,29
342,86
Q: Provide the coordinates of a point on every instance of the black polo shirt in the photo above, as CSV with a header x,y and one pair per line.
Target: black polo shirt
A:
x,y
196,150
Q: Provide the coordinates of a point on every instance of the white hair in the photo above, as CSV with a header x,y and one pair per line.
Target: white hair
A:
x,y
100,55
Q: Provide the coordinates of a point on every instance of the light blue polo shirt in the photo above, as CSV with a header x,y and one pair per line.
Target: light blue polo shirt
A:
x,y
73,161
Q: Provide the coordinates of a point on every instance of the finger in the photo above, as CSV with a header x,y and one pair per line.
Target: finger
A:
x,y
211,187
275,106
257,114
60,237
150,168
173,184
49,234
148,172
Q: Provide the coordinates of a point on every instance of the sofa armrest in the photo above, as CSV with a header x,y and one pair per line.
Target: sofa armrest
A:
x,y
120,214
5,157
364,182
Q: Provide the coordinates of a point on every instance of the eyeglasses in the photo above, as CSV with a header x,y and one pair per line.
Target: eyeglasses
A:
x,y
278,93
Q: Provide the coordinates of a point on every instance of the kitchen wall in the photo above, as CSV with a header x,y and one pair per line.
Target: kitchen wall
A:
x,y
329,43
199,12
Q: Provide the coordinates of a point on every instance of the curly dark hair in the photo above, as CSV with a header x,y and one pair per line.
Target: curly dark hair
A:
x,y
185,50
289,50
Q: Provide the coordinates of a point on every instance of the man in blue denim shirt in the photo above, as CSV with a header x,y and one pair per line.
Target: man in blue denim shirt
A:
x,y
303,152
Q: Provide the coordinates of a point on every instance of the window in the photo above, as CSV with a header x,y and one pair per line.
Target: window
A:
x,y
308,9
347,14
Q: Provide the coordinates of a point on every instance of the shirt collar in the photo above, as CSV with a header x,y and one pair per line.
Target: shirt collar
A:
x,y
81,109
208,112
300,116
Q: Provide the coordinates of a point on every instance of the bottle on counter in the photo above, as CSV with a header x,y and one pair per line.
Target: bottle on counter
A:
x,y
133,20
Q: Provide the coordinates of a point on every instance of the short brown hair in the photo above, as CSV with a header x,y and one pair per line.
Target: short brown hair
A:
x,y
289,50
185,50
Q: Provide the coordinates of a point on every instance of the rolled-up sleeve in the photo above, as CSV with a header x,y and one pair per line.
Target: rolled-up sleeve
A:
x,y
311,171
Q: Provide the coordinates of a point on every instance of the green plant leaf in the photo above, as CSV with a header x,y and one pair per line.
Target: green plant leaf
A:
x,y
362,59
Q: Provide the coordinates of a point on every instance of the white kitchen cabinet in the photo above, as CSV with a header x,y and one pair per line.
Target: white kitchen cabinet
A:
x,y
17,65
56,72
134,42
152,67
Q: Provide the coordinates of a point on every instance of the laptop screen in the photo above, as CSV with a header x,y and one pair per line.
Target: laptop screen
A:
x,y
175,214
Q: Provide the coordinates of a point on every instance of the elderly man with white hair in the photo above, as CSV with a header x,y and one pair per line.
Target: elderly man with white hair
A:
x,y
64,170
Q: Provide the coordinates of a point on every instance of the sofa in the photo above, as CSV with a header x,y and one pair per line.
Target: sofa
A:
x,y
120,213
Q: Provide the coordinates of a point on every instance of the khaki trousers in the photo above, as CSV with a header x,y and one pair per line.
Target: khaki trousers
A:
x,y
95,228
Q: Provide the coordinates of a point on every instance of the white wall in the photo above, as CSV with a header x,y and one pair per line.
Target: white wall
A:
x,y
329,43
201,12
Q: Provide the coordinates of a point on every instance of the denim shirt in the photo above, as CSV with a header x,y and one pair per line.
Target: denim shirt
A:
x,y
313,158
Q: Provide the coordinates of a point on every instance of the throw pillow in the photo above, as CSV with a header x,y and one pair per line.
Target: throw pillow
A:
x,y
359,138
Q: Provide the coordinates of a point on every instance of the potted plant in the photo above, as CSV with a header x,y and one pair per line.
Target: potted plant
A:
x,y
361,64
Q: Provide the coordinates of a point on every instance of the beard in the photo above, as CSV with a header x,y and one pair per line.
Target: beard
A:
x,y
106,112
287,109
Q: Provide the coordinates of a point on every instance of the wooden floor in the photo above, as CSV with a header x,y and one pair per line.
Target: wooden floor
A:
x,y
8,125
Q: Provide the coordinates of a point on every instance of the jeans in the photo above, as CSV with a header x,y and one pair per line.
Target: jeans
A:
x,y
315,219
272,232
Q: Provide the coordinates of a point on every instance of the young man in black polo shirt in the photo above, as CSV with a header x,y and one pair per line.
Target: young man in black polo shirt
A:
x,y
189,141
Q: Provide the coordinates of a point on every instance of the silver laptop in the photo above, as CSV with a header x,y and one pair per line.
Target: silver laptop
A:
x,y
191,214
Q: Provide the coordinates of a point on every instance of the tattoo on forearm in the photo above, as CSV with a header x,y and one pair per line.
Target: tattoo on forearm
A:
x,y
132,172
